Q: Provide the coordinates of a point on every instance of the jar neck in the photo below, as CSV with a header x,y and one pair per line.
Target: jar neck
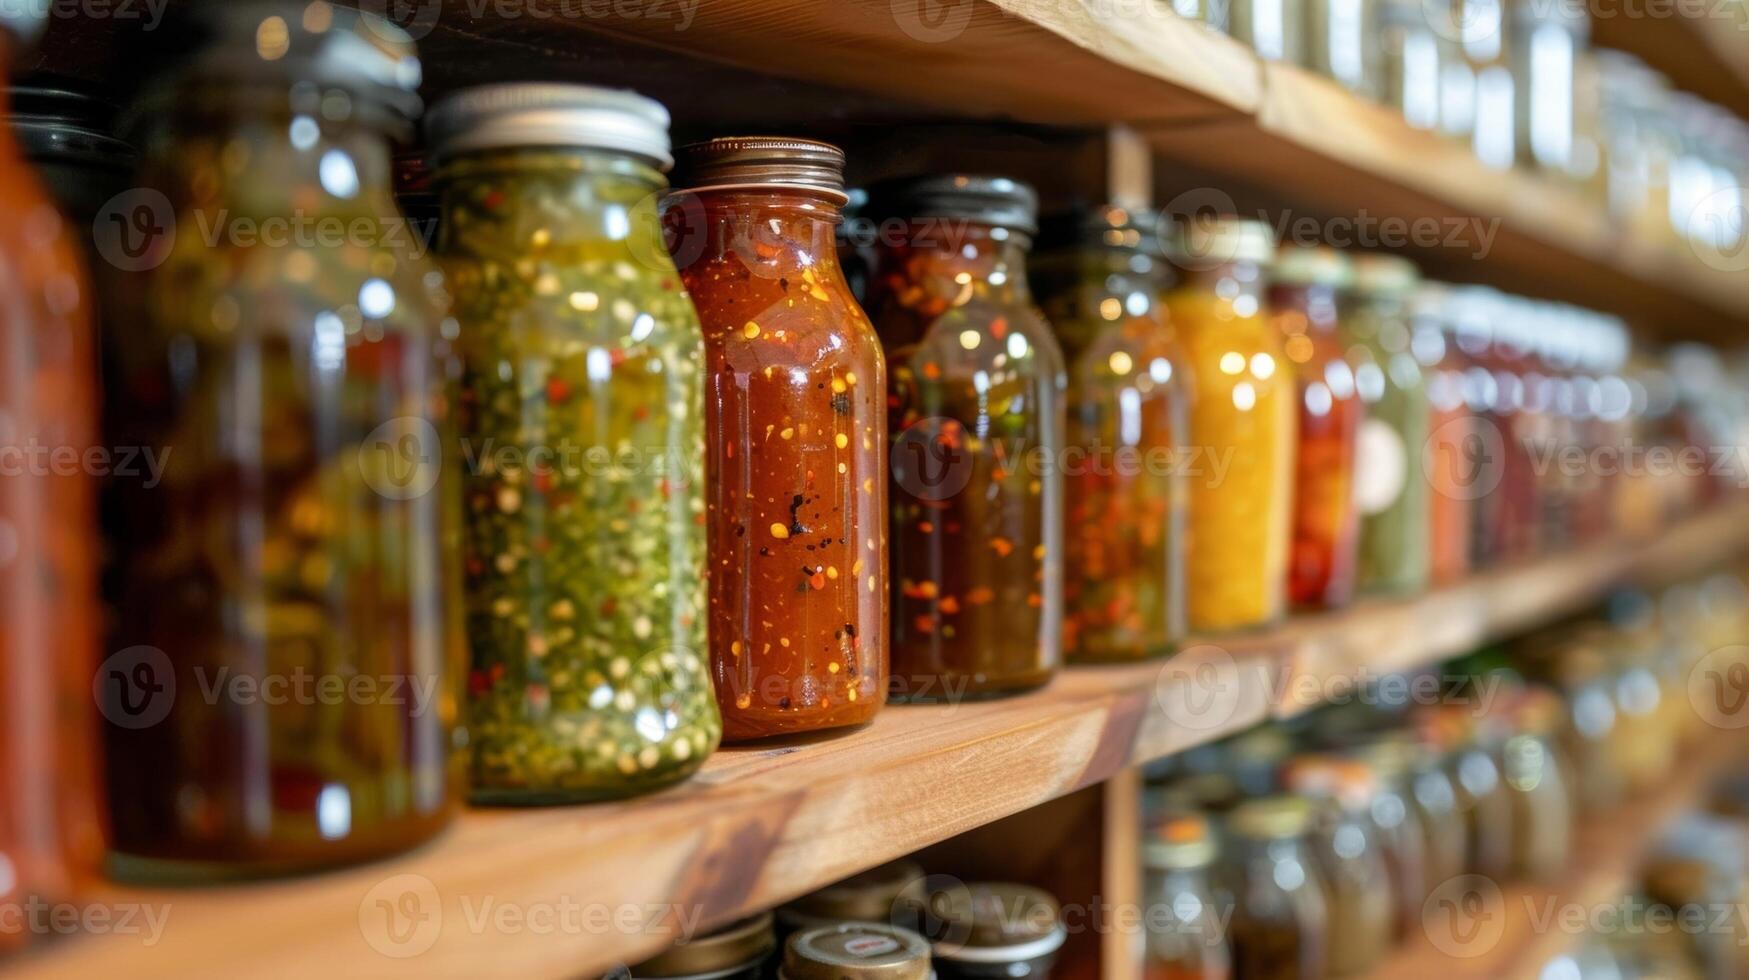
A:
x,y
954,262
563,196
1316,304
1096,273
1231,281
776,231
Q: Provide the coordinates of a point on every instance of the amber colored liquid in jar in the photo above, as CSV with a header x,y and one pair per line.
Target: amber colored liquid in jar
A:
x,y
1242,423
796,451
1325,524
51,835
976,407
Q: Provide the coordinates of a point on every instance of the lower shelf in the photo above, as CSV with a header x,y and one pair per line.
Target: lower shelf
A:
x,y
568,892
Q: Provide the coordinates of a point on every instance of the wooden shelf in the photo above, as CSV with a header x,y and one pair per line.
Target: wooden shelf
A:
x,y
761,825
1609,853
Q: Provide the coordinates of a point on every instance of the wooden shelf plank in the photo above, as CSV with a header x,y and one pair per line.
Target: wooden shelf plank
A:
x,y
1609,852
761,825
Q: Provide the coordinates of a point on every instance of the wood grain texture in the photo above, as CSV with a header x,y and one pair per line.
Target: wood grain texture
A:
x,y
764,824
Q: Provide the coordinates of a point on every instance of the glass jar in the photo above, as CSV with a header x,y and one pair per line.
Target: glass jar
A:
x,y
1402,834
1410,63
51,834
1588,738
66,134
1280,918
1481,27
1536,780
870,896
995,930
1129,399
298,557
1185,932
1342,43
1486,805
1438,810
795,409
581,394
1272,28
1391,489
977,425
1306,284
1545,41
1452,456
1242,423
1350,854
739,951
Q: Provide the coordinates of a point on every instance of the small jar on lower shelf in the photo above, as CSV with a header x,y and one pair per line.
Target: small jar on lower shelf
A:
x,y
1280,921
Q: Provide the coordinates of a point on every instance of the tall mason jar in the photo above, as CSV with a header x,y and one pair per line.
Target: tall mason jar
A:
x,y
977,422
1545,40
796,438
1102,275
1342,43
51,837
583,430
279,689
1242,426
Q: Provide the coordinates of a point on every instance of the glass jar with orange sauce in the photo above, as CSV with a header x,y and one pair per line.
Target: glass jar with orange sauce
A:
x,y
1242,426
977,420
795,412
1305,286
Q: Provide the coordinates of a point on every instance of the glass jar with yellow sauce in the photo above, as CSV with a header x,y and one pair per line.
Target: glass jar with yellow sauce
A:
x,y
1242,426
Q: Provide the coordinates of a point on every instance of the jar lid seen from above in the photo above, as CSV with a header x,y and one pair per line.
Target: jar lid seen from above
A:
x,y
856,951
542,114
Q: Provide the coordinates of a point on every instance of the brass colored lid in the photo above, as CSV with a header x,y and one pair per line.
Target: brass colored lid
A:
x,y
867,897
1302,265
1180,842
856,951
1271,818
750,162
996,922
1203,791
744,942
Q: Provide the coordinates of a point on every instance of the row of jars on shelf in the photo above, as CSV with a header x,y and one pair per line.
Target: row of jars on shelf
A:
x,y
1518,80
648,499
1313,850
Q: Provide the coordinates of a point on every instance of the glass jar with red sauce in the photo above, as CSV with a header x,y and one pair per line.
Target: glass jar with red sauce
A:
x,y
795,418
1452,433
977,419
1103,275
1305,287
50,830
1503,466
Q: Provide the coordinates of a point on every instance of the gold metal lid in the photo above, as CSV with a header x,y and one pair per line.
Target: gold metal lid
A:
x,y
867,897
1385,275
736,945
996,922
856,951
1180,841
752,162
1271,818
1312,265
1206,242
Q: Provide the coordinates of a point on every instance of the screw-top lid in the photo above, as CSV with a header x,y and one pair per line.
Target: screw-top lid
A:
x,y
1271,818
1385,275
1320,265
856,951
290,41
751,162
1180,841
747,941
867,897
543,114
1216,791
996,922
55,122
1206,241
985,200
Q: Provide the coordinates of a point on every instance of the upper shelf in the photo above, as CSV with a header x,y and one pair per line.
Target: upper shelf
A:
x,y
760,825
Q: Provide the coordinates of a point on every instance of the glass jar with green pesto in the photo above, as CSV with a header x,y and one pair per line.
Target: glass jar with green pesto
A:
x,y
581,411
1391,491
1102,275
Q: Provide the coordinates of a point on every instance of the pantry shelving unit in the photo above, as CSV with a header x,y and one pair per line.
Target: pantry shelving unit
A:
x,y
763,824
1039,84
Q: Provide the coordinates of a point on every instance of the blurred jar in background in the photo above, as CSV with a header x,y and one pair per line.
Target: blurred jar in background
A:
x,y
1342,43
740,951
1281,919
51,837
1103,277
1453,434
1242,424
1391,490
1586,166
994,931
869,896
1575,662
1274,29
1305,287
1481,26
1535,777
1410,63
1470,759
1403,835
1185,928
1545,41
1644,743
1511,519
1350,854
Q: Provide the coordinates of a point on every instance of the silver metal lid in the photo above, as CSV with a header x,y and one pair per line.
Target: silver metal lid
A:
x,y
752,162
998,201
541,114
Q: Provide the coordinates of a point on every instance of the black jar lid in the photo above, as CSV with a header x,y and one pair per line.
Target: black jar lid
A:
x,y
856,951
1102,226
981,199
726,950
996,922
55,121
292,41
753,162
